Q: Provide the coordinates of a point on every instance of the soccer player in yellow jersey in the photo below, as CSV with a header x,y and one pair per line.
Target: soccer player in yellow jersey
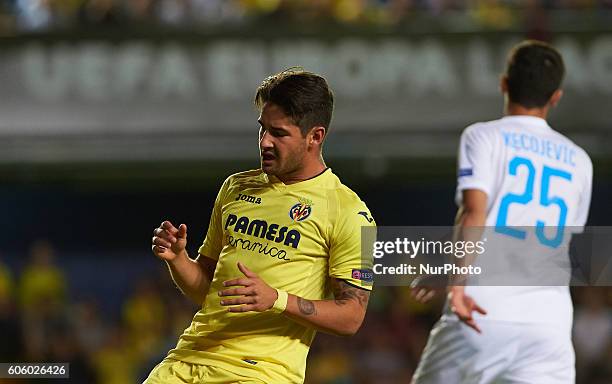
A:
x,y
282,256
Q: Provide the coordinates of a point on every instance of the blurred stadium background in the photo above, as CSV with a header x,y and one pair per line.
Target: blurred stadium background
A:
x,y
116,114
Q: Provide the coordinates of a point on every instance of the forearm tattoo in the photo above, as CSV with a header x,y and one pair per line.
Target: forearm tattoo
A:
x,y
307,307
343,293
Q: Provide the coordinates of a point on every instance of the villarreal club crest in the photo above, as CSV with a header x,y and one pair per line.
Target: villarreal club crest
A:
x,y
300,211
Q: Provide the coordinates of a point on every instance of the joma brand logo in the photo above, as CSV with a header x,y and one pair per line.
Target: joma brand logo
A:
x,y
248,199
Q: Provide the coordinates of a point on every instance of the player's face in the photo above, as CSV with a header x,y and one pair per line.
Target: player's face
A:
x,y
282,147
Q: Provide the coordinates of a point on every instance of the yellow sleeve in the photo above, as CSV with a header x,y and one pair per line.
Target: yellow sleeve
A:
x,y
346,259
213,243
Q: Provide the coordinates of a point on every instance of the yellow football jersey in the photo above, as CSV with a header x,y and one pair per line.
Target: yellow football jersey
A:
x,y
295,237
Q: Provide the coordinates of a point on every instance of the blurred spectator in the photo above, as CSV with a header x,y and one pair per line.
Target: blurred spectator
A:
x,y
100,13
116,361
383,361
42,282
493,14
6,283
217,11
348,11
537,25
64,347
34,14
176,12
144,315
331,365
90,329
42,292
592,331
140,11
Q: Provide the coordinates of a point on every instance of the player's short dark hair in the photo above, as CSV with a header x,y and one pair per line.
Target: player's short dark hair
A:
x,y
303,96
534,72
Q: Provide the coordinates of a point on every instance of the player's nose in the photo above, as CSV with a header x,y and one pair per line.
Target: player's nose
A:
x,y
265,141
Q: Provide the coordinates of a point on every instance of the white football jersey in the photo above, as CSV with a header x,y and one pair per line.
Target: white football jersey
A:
x,y
535,178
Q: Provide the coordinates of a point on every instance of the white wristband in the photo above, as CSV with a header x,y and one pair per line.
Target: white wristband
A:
x,y
280,304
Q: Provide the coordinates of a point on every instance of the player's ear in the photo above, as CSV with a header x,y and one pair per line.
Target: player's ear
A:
x,y
503,84
316,136
556,96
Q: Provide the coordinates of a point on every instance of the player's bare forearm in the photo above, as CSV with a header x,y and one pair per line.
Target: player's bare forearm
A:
x,y
192,277
341,316
472,216
469,223
469,226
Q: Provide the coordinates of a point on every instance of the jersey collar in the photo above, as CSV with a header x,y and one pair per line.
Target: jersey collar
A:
x,y
531,120
277,183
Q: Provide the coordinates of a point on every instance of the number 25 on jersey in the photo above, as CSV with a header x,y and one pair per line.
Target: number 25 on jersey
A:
x,y
527,196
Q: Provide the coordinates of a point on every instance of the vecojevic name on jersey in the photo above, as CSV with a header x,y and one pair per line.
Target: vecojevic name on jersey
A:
x,y
426,269
540,147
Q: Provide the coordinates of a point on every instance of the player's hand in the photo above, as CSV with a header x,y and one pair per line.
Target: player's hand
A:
x,y
169,242
248,293
426,287
463,306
